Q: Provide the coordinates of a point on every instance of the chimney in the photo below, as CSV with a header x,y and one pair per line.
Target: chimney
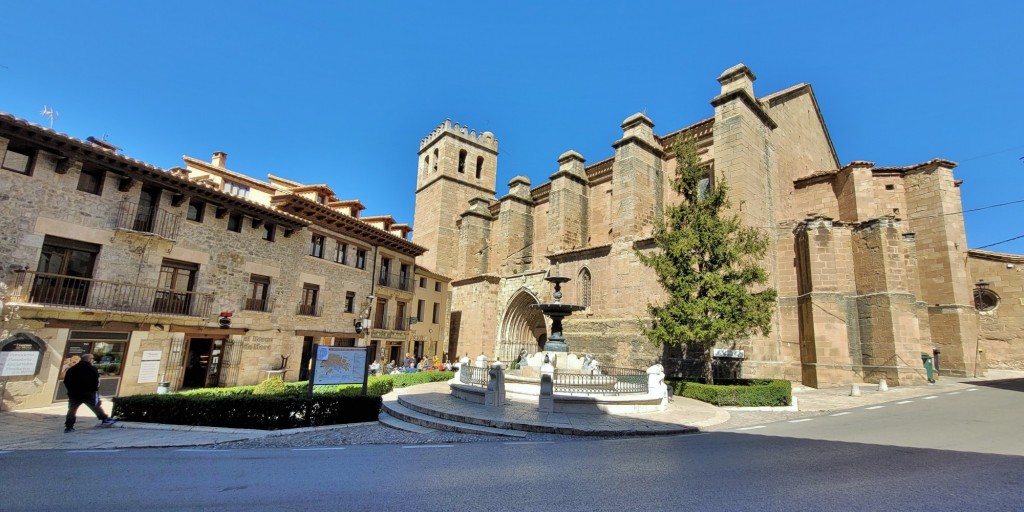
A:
x,y
219,159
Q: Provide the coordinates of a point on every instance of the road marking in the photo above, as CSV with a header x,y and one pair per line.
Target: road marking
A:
x,y
954,393
326,448
751,428
875,407
93,451
204,450
839,414
904,402
527,442
929,397
973,389
803,419
428,446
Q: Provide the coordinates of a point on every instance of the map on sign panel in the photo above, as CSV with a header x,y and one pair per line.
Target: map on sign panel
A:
x,y
340,365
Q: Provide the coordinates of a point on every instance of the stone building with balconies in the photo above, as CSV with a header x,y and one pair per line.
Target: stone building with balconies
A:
x,y
190,277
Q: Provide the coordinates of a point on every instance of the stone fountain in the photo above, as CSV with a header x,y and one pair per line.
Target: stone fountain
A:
x,y
557,311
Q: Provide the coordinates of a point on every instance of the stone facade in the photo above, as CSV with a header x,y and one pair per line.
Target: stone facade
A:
x,y
869,262
999,293
141,265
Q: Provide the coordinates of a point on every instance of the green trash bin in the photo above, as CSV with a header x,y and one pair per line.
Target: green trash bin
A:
x,y
926,358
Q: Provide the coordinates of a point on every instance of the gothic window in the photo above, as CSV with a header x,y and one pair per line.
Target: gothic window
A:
x,y
479,166
585,288
436,155
462,162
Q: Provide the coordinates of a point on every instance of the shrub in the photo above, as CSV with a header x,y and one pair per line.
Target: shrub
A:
x,y
267,412
234,390
752,393
271,386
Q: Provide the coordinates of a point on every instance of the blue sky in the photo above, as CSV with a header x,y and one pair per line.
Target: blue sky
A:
x,y
341,93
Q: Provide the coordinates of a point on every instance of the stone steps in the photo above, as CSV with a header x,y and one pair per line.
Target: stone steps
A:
x,y
398,410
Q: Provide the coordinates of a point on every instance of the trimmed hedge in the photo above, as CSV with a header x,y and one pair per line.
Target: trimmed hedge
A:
x,y
753,393
266,412
270,405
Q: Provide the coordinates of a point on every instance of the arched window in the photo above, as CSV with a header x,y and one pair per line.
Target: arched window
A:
x,y
426,163
436,153
585,288
462,161
479,166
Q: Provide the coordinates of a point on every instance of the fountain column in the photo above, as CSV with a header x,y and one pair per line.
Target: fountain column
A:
x,y
557,311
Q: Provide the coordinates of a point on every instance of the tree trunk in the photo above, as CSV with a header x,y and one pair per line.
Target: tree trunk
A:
x,y
709,371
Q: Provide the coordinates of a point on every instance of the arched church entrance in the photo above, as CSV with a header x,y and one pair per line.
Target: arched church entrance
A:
x,y
522,327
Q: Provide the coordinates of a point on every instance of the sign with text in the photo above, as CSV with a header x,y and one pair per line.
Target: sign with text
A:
x,y
19,364
730,353
339,365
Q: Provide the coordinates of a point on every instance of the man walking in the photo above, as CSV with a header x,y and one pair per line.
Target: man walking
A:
x,y
83,383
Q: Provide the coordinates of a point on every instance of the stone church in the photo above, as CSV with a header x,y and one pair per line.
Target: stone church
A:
x,y
870,263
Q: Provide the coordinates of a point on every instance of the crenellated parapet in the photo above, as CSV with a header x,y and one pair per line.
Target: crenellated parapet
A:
x,y
485,139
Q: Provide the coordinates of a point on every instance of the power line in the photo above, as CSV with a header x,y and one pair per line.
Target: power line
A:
x,y
1001,242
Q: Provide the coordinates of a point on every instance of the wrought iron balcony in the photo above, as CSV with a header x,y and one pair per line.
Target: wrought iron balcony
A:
x,y
397,324
310,310
153,220
72,292
262,305
397,281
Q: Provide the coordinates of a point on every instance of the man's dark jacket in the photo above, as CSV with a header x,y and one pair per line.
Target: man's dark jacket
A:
x,y
82,380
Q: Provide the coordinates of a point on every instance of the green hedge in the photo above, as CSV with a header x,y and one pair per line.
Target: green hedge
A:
x,y
267,412
274,405
753,393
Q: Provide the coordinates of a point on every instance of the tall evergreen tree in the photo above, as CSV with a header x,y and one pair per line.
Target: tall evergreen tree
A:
x,y
708,263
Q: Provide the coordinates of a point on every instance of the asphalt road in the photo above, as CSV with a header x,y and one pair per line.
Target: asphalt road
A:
x,y
951,452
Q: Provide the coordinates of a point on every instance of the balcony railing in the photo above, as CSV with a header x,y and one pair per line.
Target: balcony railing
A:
x,y
397,324
84,293
310,310
262,305
397,281
147,220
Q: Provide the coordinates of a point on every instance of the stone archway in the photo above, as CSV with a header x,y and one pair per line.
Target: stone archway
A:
x,y
522,326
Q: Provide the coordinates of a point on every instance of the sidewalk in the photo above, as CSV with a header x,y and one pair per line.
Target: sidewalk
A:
x,y
42,428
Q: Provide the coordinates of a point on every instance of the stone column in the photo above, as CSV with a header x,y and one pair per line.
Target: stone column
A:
x,y
474,238
568,205
515,227
822,305
637,180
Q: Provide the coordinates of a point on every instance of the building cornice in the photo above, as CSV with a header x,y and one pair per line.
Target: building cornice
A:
x,y
319,214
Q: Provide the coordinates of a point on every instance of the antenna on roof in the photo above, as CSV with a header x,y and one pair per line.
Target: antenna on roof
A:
x,y
51,113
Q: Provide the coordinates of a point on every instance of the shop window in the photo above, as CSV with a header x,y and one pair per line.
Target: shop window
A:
x,y
108,350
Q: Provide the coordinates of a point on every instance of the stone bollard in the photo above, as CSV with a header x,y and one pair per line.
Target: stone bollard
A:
x,y
855,389
495,394
656,384
547,388
883,385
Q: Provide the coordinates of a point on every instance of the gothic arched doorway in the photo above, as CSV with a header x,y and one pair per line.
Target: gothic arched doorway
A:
x,y
522,326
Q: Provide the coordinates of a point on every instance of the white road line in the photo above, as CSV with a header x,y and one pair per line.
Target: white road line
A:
x,y
904,402
839,414
326,448
428,446
973,389
929,397
527,442
875,407
203,450
751,428
953,393
802,419
93,451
